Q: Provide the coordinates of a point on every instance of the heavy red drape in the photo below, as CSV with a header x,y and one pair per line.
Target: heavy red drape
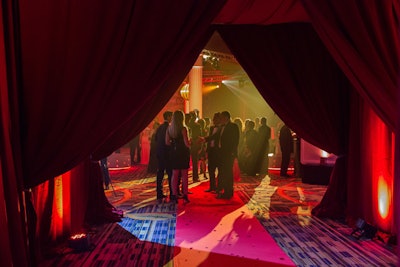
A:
x,y
179,65
297,77
364,39
261,12
69,203
372,164
90,67
300,81
13,242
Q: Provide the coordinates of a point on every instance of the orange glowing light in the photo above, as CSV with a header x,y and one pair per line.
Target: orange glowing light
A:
x,y
59,196
383,197
78,236
209,88
119,168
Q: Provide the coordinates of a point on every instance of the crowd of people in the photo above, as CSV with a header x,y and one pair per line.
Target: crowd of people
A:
x,y
185,140
212,147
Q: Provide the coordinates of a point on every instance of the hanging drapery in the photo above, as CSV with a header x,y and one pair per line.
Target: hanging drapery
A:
x,y
364,40
300,81
89,68
86,70
13,244
94,67
261,12
296,76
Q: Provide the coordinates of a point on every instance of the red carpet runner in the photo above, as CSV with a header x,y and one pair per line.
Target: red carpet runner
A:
x,y
219,232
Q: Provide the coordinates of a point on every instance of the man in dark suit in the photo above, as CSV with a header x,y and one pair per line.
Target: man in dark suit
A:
x,y
227,151
212,152
264,135
163,156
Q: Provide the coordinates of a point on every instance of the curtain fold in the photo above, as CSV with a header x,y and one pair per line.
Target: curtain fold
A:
x,y
304,86
371,189
76,75
179,66
261,12
96,66
89,69
297,77
364,40
14,248
69,204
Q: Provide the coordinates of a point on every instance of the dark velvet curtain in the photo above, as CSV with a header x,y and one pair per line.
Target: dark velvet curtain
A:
x,y
95,74
85,70
297,77
178,67
300,81
81,202
364,40
371,147
261,12
13,242
92,68
76,74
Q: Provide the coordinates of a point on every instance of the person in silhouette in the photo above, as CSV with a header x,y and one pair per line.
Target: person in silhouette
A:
x,y
264,135
212,151
178,139
162,152
227,152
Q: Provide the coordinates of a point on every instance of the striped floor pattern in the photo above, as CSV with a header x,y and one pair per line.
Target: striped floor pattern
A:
x,y
146,235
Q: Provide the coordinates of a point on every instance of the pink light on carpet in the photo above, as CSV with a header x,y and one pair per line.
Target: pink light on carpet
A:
x,y
217,232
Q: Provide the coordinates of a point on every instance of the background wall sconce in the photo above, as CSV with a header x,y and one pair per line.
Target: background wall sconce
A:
x,y
184,92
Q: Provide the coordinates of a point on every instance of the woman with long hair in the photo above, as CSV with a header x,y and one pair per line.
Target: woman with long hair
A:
x,y
177,137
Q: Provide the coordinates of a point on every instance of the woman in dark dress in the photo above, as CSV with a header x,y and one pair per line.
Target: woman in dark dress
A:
x,y
177,137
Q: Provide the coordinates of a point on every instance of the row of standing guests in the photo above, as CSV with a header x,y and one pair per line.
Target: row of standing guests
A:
x,y
174,145
254,146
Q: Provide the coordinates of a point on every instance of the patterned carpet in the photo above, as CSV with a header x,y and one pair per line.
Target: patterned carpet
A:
x,y
147,234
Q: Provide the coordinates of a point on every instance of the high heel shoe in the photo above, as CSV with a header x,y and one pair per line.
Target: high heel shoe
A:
x,y
185,199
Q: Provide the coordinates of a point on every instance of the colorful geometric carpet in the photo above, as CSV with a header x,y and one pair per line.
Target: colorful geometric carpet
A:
x,y
267,223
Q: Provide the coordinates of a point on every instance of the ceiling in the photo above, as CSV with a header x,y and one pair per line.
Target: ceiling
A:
x,y
218,61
